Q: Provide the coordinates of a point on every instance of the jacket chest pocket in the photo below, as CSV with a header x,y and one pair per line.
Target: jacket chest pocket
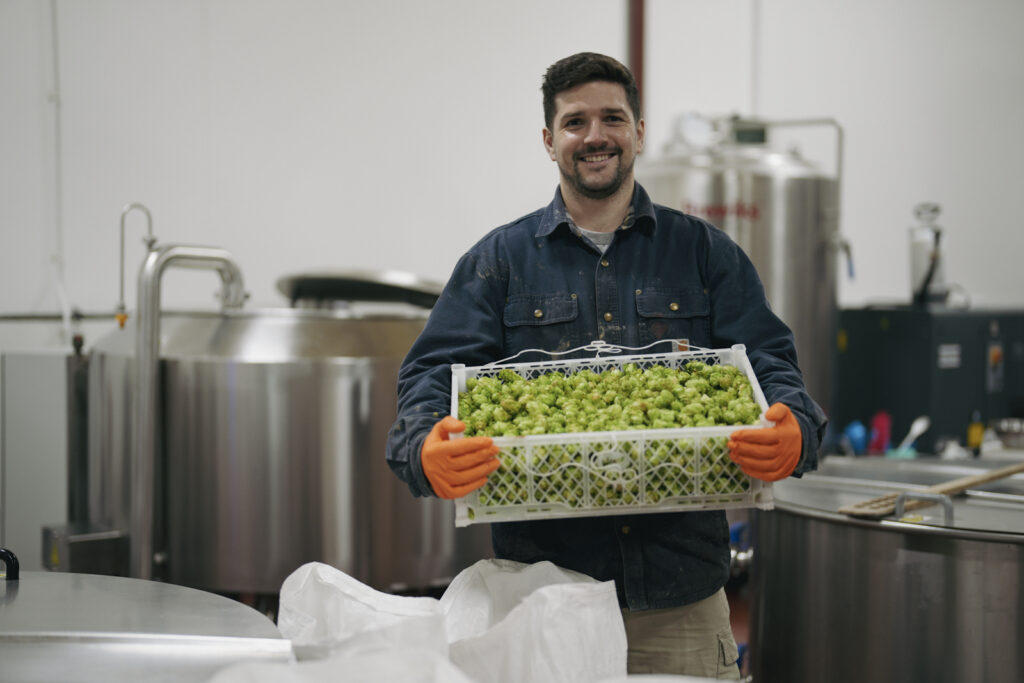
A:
x,y
674,314
546,322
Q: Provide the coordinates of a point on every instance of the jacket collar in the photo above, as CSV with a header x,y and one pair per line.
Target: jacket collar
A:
x,y
555,214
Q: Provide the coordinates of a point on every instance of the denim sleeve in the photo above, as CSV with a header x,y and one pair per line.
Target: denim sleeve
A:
x,y
465,326
741,314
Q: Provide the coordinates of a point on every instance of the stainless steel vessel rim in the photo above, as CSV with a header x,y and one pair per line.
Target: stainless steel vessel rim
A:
x,y
746,155
263,644
780,172
44,605
268,359
896,526
359,312
949,468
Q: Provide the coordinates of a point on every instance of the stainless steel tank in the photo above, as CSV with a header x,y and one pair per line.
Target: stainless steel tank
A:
x,y
269,439
921,598
781,209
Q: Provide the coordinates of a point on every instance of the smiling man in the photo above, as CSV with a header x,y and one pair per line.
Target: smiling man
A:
x,y
602,262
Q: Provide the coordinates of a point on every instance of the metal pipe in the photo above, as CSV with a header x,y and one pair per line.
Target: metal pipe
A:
x,y
147,357
58,261
149,240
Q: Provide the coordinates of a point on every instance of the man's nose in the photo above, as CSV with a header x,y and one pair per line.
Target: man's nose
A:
x,y
595,133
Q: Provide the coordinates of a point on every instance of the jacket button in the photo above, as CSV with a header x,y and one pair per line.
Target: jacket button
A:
x,y
639,291
673,306
625,529
608,317
604,262
538,313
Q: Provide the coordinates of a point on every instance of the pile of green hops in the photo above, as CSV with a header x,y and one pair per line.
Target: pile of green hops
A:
x,y
619,399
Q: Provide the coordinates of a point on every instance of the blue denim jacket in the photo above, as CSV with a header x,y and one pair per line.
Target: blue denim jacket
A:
x,y
536,284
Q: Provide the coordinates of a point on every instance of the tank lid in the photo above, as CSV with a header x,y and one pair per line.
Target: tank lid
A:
x,y
360,285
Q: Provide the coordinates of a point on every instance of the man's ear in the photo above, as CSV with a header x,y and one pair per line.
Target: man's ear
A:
x,y
549,143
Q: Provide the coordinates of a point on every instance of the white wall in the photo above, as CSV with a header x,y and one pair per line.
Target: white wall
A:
x,y
929,96
932,102
308,135
297,135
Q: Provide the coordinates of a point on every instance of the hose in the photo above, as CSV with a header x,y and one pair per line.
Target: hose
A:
x,y
921,295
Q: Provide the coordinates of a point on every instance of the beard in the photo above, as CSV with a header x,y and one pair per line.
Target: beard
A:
x,y
597,189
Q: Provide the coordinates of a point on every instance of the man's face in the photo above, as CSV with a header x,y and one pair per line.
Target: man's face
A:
x,y
594,138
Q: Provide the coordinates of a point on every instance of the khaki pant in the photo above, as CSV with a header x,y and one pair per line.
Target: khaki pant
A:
x,y
692,640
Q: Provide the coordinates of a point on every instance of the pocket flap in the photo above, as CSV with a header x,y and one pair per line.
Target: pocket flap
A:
x,y
727,649
540,310
663,303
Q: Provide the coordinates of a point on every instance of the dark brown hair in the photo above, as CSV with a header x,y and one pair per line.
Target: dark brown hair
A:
x,y
584,67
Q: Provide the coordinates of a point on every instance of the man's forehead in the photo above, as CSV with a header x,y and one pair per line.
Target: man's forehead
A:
x,y
592,95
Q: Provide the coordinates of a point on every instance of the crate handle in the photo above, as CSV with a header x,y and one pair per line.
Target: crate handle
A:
x,y
598,347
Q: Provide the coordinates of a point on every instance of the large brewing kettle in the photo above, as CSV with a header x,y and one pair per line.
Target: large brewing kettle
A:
x,y
935,595
263,433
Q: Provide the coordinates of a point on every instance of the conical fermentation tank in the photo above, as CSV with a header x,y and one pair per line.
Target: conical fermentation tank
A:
x,y
270,430
781,209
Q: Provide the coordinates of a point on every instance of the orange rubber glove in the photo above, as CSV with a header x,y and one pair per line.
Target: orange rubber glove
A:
x,y
455,467
771,453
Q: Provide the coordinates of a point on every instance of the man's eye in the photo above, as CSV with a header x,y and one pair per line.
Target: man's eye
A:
x,y
614,118
572,123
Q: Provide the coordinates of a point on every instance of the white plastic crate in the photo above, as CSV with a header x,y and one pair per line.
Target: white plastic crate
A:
x,y
589,474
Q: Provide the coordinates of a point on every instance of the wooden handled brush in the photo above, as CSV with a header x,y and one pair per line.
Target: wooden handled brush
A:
x,y
883,506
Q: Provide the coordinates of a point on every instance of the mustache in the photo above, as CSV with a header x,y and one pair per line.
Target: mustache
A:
x,y
599,149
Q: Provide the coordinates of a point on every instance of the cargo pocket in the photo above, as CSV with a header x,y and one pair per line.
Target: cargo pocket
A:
x,y
674,314
728,656
545,322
